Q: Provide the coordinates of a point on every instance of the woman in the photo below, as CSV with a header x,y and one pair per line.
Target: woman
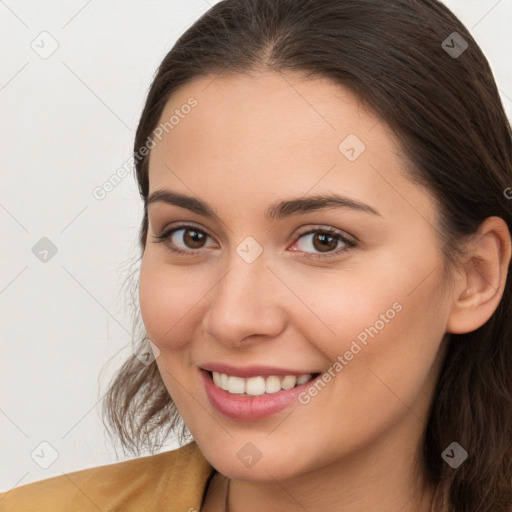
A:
x,y
325,271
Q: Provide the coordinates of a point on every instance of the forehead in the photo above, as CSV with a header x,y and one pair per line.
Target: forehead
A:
x,y
288,106
277,132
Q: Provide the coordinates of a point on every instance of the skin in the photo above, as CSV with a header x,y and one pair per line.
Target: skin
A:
x,y
255,140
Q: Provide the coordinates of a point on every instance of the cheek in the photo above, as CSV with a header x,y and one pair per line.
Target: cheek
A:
x,y
168,303
399,347
381,321
348,307
388,343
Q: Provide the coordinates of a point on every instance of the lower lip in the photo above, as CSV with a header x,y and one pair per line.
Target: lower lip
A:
x,y
250,408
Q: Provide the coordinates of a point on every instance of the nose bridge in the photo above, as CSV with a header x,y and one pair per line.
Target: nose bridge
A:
x,y
242,303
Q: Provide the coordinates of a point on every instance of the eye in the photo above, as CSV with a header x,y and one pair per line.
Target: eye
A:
x,y
325,240
193,238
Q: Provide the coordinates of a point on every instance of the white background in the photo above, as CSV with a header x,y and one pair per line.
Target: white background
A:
x,y
67,124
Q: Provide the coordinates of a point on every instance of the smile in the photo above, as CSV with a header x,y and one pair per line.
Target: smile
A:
x,y
253,397
256,386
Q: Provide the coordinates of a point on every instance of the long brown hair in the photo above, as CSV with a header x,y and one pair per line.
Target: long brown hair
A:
x,y
403,60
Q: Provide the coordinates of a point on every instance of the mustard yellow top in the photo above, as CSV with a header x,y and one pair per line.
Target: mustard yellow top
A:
x,y
173,481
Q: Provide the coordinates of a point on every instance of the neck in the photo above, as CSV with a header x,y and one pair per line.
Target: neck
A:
x,y
282,495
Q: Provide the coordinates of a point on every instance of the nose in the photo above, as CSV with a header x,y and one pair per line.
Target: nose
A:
x,y
246,304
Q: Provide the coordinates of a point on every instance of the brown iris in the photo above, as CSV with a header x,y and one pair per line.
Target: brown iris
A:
x,y
322,245
196,238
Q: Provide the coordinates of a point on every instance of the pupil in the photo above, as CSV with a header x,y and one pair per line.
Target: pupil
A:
x,y
324,238
196,237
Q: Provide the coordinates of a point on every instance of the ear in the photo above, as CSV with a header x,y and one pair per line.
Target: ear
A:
x,y
482,277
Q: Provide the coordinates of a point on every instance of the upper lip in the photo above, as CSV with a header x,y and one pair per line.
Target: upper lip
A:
x,y
251,371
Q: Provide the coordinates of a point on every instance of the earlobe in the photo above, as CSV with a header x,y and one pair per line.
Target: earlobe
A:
x,y
479,289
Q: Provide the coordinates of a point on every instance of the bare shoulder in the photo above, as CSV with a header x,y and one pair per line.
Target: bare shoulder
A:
x,y
172,481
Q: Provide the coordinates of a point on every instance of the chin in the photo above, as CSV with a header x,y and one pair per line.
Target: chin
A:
x,y
255,461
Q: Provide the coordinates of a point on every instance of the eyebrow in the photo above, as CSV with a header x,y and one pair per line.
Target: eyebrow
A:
x,y
278,210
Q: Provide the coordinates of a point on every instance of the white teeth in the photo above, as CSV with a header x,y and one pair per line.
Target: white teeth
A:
x,y
303,378
272,384
224,381
236,385
289,382
256,386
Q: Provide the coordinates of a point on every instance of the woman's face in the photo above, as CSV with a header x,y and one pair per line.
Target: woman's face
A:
x,y
267,287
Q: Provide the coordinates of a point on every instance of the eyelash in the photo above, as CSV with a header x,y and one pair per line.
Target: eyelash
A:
x,y
330,231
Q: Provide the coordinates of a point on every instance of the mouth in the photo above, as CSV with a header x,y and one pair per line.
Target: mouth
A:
x,y
255,397
259,385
